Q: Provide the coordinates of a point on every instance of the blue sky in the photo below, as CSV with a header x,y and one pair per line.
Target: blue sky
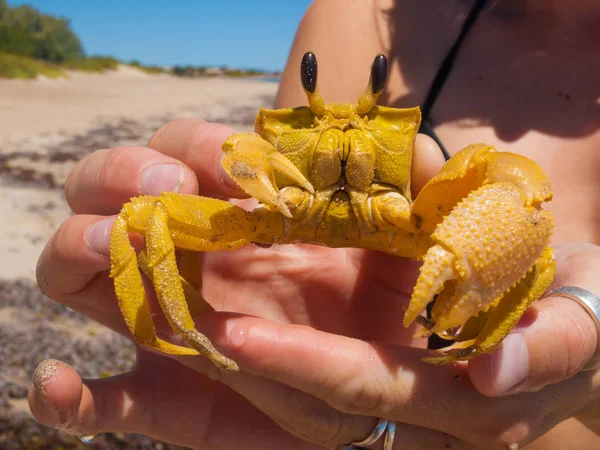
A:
x,y
237,33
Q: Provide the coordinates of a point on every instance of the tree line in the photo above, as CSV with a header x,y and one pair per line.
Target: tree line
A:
x,y
27,32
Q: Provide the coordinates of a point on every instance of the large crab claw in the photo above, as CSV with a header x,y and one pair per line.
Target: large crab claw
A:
x,y
490,257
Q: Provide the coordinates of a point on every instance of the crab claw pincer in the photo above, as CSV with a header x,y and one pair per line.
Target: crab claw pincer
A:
x,y
252,162
483,249
487,245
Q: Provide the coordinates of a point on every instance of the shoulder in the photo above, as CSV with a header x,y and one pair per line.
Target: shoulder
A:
x,y
347,34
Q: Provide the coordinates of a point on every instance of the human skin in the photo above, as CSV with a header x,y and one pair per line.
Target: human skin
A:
x,y
267,349
163,399
343,292
513,86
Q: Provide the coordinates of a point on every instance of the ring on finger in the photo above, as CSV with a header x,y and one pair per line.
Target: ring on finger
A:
x,y
591,303
383,426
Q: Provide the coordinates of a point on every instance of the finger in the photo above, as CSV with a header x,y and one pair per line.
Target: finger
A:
x,y
103,181
304,415
194,412
282,347
416,438
75,254
555,343
73,269
59,399
352,376
198,145
394,383
428,159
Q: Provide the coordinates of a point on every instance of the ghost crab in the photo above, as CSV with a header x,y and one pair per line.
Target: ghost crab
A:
x,y
339,175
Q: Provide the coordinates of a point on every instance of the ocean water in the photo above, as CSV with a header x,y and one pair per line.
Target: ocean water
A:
x,y
269,79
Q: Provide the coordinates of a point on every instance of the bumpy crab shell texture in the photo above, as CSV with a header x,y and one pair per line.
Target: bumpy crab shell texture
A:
x,y
339,175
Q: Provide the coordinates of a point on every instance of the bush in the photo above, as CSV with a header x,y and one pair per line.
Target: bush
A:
x,y
14,39
152,70
94,64
53,38
15,66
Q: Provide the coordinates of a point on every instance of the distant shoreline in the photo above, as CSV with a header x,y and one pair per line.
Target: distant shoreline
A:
x,y
14,66
268,79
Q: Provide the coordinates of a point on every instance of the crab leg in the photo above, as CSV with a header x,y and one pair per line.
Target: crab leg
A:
x,y
190,276
169,290
188,222
129,288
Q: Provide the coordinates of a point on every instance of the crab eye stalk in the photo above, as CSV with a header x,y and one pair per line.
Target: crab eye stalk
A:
x,y
308,72
308,76
379,71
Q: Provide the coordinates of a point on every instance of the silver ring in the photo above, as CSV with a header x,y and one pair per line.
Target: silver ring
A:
x,y
591,303
383,426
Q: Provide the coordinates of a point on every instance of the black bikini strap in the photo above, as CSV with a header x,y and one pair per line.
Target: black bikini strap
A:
x,y
446,66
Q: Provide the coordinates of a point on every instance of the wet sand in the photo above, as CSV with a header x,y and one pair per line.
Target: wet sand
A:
x,y
46,126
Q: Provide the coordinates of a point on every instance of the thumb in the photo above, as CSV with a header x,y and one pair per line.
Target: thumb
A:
x,y
428,159
59,399
160,398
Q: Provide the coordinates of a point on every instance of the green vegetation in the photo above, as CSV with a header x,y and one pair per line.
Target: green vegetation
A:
x,y
93,64
190,71
15,66
152,70
32,44
27,32
242,73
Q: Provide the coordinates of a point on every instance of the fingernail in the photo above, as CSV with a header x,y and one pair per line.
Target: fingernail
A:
x,y
97,236
237,333
161,178
510,364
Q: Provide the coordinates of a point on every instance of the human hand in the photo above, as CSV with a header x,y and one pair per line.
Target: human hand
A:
x,y
470,404
346,292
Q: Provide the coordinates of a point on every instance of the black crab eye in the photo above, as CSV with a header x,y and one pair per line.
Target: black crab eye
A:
x,y
379,71
308,72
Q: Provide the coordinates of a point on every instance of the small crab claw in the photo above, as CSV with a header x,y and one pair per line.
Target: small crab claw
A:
x,y
251,162
484,248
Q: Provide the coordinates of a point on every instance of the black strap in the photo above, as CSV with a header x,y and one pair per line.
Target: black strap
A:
x,y
448,62
442,75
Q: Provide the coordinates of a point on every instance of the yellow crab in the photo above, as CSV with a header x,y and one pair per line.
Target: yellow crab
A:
x,y
339,175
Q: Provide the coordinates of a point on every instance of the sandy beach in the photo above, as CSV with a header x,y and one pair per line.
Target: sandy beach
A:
x,y
46,126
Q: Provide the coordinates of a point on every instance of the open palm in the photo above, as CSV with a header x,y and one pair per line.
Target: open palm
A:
x,y
343,291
